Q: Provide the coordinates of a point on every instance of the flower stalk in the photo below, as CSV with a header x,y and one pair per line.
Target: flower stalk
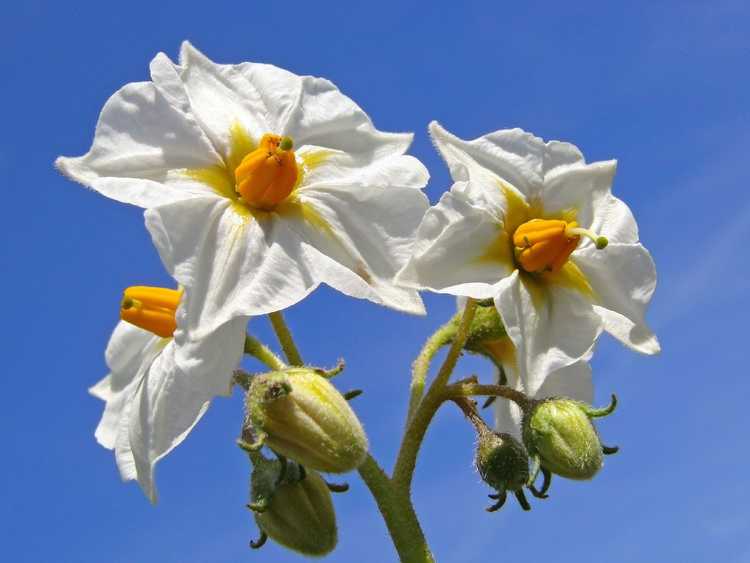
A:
x,y
261,352
285,338
421,365
403,472
393,501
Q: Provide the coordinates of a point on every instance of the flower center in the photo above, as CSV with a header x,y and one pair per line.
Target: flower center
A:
x,y
544,245
151,308
267,175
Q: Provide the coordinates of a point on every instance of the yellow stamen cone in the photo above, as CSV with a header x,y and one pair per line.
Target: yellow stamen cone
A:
x,y
267,175
544,245
151,308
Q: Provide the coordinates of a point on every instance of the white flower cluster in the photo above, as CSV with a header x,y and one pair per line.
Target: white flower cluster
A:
x,y
259,185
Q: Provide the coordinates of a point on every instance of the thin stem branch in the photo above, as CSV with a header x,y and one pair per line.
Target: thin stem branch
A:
x,y
403,472
285,339
261,352
398,513
469,408
421,365
462,389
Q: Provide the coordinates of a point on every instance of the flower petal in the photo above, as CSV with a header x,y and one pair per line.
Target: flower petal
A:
x,y
551,327
129,351
344,169
449,255
511,155
363,233
176,392
579,187
623,277
233,264
255,96
323,116
614,220
140,140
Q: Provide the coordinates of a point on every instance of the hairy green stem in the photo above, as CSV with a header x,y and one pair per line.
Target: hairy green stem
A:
x,y
462,389
403,472
285,338
261,352
397,511
394,502
421,365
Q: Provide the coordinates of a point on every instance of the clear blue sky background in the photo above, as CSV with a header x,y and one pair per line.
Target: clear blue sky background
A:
x,y
662,86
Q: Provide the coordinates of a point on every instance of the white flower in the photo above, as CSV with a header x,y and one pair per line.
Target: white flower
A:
x,y
159,387
524,224
253,223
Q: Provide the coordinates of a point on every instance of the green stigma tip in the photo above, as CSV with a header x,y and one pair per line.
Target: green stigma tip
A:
x,y
602,242
286,144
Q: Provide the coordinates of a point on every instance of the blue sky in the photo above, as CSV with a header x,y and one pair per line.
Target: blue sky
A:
x,y
661,86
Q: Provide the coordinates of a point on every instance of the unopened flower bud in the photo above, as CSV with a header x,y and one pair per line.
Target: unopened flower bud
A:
x,y
560,432
502,461
300,415
293,507
486,336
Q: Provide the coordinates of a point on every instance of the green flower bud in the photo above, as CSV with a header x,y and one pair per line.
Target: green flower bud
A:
x,y
300,415
294,508
502,461
487,336
560,432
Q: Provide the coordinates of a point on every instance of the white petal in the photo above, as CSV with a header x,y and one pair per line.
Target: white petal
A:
x,y
323,116
361,171
447,256
128,349
560,155
108,427
573,381
579,187
129,352
614,220
366,236
549,332
256,96
267,99
123,450
623,277
512,155
233,266
140,140
175,393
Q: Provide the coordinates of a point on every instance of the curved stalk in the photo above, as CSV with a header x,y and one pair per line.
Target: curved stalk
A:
x,y
417,426
462,389
285,338
261,352
395,507
421,365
